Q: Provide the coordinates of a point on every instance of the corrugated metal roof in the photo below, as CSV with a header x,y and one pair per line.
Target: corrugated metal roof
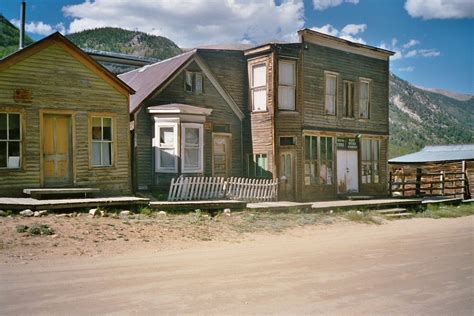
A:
x,y
438,154
149,78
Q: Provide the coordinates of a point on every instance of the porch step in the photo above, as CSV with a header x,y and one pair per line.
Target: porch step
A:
x,y
359,197
66,192
395,213
400,215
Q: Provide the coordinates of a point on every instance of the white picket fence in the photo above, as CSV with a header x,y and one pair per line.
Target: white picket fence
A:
x,y
213,188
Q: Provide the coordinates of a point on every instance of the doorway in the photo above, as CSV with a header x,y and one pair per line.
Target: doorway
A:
x,y
347,171
287,176
221,155
57,150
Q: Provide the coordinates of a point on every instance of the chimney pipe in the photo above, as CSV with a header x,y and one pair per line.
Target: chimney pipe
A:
x,y
22,24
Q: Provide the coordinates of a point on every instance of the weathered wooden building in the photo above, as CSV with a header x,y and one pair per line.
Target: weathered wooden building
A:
x,y
64,121
185,122
319,116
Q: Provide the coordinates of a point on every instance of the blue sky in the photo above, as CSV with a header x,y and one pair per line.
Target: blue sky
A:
x,y
433,39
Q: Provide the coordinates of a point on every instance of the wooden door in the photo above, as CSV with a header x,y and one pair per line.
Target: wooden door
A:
x,y
347,171
287,176
221,155
57,162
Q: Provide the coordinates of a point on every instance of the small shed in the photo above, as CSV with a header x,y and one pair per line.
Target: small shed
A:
x,y
64,121
442,170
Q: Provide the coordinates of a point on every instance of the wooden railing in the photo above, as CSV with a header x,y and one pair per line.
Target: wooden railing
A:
x,y
451,184
212,188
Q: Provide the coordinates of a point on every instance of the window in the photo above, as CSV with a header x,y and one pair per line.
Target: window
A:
x,y
331,88
258,166
326,160
166,143
287,141
310,159
287,85
258,87
364,99
193,82
192,147
348,99
10,140
102,144
370,160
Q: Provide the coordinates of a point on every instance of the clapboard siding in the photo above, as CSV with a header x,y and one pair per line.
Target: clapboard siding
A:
x,y
58,81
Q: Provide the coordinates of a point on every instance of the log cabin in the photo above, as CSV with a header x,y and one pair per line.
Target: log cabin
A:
x,y
64,121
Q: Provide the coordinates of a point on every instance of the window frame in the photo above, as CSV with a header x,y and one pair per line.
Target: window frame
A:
x,y
200,147
345,105
312,179
315,179
363,81
102,141
252,166
335,75
159,147
371,161
7,140
258,88
193,77
321,159
281,85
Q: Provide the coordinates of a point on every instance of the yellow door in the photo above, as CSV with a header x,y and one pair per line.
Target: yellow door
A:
x,y
57,150
221,159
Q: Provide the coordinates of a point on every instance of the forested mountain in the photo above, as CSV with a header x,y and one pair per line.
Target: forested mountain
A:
x,y
10,37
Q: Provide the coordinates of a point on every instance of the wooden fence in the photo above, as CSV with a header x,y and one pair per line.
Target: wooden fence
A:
x,y
451,184
214,188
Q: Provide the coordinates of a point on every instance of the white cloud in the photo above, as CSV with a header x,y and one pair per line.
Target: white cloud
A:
x,y
440,9
348,32
411,43
407,69
423,53
40,28
194,22
322,5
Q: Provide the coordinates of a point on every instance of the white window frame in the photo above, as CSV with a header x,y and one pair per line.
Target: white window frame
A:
x,y
8,141
102,141
332,75
157,144
363,81
200,167
281,86
254,88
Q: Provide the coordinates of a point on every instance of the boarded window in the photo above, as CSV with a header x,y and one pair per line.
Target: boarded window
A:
x,y
348,99
10,140
193,82
287,85
331,89
258,87
370,149
102,143
364,99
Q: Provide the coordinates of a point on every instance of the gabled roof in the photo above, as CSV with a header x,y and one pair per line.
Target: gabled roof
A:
x,y
76,52
443,153
151,78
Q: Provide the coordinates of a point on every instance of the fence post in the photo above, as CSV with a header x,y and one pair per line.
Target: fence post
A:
x,y
441,179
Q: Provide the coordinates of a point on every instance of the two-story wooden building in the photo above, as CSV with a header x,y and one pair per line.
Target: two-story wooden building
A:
x,y
318,116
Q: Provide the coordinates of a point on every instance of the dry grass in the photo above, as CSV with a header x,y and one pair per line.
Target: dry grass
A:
x,y
447,211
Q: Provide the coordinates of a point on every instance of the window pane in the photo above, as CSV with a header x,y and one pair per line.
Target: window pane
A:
x,y
191,158
3,126
107,121
192,136
14,126
167,158
307,147
259,77
96,154
286,74
286,98
259,98
96,128
329,147
13,155
106,154
188,86
330,104
167,135
198,87
323,148
364,90
330,85
3,154
375,150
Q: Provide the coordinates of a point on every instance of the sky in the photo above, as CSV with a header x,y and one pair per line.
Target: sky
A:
x,y
433,39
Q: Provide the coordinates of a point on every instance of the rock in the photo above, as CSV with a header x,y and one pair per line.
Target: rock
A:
x,y
54,236
43,212
36,214
227,211
61,215
161,213
92,212
124,213
3,213
331,211
27,213
103,213
359,213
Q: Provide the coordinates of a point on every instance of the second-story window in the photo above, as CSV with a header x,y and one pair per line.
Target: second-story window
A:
x,y
330,101
364,99
193,82
348,99
258,87
286,85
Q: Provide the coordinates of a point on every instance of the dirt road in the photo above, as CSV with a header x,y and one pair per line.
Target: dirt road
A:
x,y
421,266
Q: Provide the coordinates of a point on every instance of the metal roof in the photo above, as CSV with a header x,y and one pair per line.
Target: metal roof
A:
x,y
442,153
